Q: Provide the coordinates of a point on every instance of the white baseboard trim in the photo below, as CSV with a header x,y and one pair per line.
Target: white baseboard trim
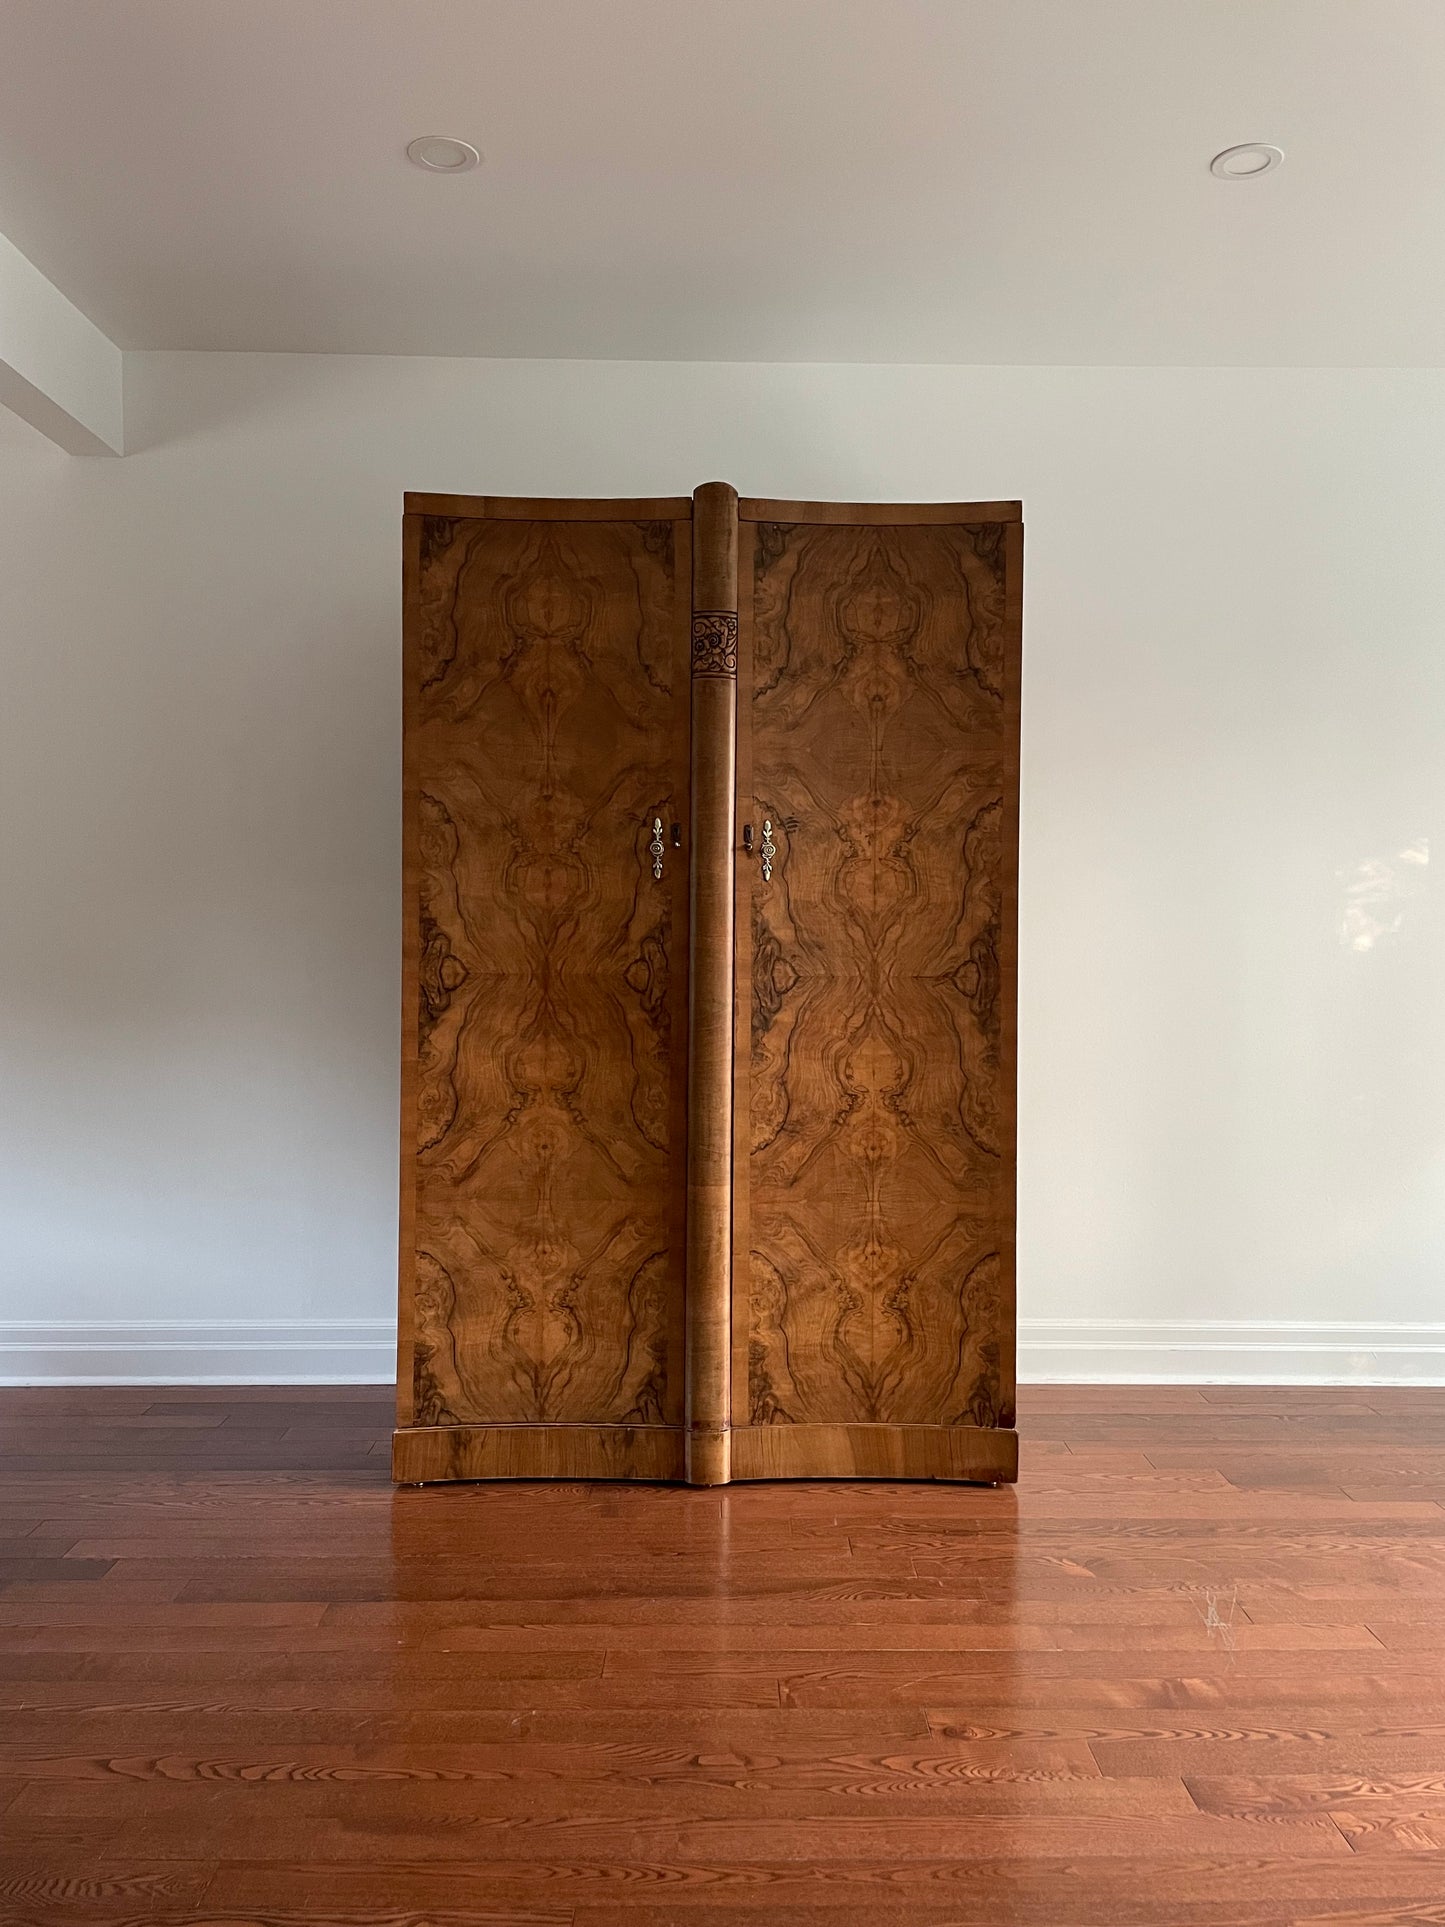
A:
x,y
204,1351
1225,1351
1067,1351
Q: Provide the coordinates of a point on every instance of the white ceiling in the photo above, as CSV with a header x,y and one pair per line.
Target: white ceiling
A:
x,y
879,180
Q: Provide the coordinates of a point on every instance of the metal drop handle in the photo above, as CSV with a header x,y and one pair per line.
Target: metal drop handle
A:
x,y
655,847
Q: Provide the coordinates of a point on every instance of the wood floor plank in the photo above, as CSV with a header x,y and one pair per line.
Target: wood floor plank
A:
x,y
287,1820
1426,1635
1370,1831
1047,1891
34,1888
1402,1796
1367,1752
419,1796
509,1697
574,1768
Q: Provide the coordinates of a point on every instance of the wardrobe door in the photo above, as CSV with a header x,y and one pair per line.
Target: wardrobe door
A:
x,y
878,774
544,1034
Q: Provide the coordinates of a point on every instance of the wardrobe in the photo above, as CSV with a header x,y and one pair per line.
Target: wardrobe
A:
x,y
708,1034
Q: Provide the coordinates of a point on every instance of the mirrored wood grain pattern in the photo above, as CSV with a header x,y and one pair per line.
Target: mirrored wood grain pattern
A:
x,y
547,734
883,714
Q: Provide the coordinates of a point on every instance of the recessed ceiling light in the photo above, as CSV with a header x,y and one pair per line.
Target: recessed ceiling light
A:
x,y
1246,162
441,154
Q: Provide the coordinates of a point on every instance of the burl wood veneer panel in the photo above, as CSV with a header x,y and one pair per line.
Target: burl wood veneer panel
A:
x,y
874,1278
544,1062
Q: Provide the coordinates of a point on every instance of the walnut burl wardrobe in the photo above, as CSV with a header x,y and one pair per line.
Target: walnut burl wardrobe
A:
x,y
708,1042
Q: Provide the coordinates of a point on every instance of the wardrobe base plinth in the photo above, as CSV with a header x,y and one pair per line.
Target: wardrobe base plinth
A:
x,y
966,1454
426,1455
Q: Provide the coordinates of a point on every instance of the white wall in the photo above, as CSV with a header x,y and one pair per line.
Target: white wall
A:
x,y
1233,1053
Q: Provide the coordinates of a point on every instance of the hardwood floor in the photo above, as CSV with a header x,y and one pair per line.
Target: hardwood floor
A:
x,y
1189,1673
